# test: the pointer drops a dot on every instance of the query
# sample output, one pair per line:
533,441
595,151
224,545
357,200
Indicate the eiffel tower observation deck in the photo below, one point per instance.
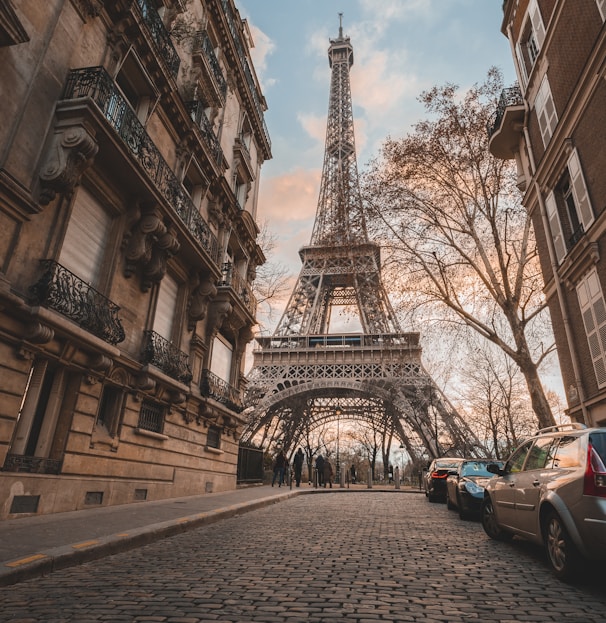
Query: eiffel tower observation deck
305,375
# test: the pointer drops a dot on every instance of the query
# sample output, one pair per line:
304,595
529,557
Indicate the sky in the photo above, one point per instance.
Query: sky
401,48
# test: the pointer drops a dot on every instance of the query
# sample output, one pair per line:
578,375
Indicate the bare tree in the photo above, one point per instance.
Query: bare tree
271,281
453,219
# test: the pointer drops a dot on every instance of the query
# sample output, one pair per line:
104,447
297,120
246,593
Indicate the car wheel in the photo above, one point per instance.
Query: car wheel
431,498
449,503
463,514
561,551
490,523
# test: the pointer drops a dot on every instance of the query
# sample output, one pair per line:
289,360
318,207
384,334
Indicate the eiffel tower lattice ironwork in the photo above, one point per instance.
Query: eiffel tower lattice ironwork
304,374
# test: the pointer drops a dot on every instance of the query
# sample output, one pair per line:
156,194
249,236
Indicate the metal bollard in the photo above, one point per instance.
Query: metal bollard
369,485
341,478
396,477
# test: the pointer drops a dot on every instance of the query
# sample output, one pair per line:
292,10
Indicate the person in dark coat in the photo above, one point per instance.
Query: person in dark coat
320,469
328,473
298,465
279,466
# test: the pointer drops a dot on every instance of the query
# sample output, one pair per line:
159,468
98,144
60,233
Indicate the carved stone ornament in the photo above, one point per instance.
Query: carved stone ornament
38,333
202,293
149,246
217,314
71,152
88,8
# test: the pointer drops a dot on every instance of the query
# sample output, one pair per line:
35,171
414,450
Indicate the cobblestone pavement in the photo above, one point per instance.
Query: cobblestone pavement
345,557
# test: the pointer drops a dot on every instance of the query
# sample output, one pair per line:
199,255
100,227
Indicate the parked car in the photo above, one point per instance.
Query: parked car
435,477
552,490
465,487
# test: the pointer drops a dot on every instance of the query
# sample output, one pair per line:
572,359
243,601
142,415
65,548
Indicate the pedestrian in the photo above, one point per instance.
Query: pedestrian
352,472
298,465
279,466
390,474
328,473
320,469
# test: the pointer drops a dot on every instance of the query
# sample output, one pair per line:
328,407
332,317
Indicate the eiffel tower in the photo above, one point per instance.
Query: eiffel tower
304,375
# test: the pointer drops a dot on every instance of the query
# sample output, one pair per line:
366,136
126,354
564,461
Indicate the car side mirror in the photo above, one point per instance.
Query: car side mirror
493,468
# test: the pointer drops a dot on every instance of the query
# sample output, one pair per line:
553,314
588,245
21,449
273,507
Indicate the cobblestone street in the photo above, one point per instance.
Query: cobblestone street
340,556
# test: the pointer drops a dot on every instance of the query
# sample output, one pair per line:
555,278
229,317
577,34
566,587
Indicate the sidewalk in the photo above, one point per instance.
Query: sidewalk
34,546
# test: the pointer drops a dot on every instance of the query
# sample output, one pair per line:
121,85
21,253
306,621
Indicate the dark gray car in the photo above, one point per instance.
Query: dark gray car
552,491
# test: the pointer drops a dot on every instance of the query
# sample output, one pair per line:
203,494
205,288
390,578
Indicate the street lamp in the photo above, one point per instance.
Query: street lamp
338,470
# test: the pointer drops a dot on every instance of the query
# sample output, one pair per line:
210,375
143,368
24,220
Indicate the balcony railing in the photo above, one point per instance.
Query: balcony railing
217,389
196,111
202,44
231,22
166,357
95,83
230,278
61,290
511,96
160,36
576,236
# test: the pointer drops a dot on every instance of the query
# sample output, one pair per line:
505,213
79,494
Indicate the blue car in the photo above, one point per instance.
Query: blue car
465,486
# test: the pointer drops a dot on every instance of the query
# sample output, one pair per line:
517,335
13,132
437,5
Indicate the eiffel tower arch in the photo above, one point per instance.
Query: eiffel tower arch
305,375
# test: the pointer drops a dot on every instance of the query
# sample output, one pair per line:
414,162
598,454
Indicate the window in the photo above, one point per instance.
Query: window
195,184
568,453
530,42
516,462
220,363
151,417
593,310
136,87
602,7
85,239
546,112
541,454
164,317
213,437
568,208
110,408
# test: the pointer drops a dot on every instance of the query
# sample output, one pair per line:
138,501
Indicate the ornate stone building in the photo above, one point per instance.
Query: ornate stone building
554,124
132,140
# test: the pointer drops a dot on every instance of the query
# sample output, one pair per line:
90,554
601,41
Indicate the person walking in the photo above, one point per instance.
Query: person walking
279,466
298,465
320,469
328,473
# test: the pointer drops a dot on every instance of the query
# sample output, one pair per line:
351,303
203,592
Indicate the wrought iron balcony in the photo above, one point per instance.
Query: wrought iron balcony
204,48
166,357
217,389
511,96
96,84
160,36
196,112
230,278
61,290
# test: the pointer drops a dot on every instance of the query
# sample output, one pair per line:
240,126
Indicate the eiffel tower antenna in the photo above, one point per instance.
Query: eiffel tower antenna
305,374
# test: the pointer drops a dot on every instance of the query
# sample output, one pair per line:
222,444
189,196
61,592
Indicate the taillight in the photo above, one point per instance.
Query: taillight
439,474
595,474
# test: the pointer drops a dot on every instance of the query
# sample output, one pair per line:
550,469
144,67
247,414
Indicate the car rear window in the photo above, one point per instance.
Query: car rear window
598,441
568,452
447,464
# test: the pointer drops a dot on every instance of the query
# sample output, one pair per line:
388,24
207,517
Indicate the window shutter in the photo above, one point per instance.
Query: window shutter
85,238
593,310
537,23
522,73
555,227
165,307
220,361
546,112
579,189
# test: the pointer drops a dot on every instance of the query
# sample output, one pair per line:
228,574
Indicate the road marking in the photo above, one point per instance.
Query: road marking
85,544
24,561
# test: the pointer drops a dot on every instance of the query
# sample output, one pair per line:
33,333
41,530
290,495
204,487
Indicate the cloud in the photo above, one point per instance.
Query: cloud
314,125
288,199
264,47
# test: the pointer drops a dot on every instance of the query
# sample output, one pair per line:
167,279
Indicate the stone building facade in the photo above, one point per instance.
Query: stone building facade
554,124
131,146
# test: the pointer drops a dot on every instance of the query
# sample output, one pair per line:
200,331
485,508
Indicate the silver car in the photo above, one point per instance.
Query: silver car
552,491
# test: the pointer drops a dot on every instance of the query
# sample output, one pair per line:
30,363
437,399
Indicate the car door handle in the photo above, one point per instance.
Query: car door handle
512,484
536,483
